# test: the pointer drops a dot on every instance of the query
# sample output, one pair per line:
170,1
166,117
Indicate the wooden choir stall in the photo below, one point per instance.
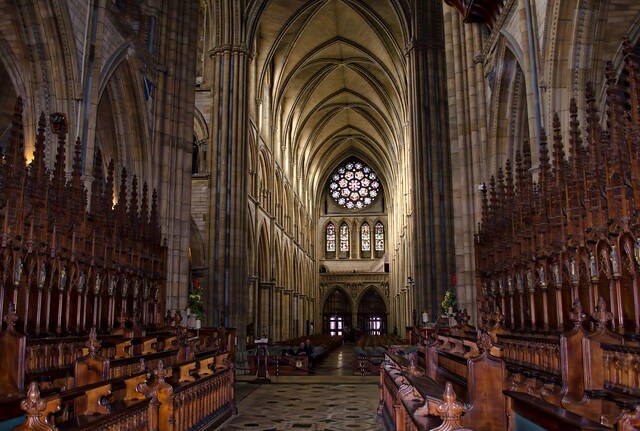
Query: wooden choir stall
558,264
86,343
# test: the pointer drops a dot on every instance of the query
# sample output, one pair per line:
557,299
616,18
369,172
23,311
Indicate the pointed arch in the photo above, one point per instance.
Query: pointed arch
372,311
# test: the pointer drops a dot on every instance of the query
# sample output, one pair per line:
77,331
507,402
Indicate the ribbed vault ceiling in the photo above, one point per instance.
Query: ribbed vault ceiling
335,73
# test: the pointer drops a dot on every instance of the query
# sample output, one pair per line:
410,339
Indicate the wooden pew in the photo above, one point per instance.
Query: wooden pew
533,363
409,401
189,397
113,404
546,415
479,381
600,377
12,349
281,365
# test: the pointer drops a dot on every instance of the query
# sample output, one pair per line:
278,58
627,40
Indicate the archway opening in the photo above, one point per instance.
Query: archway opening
336,314
372,314
8,96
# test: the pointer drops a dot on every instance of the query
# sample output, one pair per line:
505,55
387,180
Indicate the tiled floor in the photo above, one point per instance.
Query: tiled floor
331,399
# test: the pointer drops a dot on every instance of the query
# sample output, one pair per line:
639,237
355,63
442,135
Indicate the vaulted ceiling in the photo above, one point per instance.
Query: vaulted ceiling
334,71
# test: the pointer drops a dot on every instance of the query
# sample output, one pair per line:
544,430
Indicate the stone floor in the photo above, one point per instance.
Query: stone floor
331,399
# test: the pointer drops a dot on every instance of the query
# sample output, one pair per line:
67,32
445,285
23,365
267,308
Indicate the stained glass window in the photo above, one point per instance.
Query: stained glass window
379,236
344,237
354,185
365,237
331,237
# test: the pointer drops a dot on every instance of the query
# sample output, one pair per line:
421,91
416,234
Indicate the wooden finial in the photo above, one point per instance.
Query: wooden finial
484,342
33,406
11,317
160,373
462,317
177,318
577,316
450,410
601,315
93,343
123,319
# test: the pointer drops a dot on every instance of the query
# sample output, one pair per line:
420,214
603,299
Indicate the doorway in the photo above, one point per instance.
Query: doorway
336,313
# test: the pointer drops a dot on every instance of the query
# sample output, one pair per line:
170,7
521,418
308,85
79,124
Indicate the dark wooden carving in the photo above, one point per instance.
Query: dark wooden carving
70,260
572,233
478,11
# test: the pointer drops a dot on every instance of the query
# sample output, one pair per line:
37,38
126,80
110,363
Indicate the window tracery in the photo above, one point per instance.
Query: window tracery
354,185
379,236
344,237
365,237
330,235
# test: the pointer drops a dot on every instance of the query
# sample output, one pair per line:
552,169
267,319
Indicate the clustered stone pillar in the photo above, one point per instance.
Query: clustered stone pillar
468,127
228,300
433,251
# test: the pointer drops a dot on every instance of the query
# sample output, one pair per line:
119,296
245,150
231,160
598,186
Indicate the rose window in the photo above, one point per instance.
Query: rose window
354,185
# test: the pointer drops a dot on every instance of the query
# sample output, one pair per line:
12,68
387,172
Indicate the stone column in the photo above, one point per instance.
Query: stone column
433,251
173,142
278,322
227,221
468,135
287,313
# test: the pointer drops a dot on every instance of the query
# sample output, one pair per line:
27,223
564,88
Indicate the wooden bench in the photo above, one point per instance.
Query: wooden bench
281,365
97,405
545,415
410,401
599,374
193,393
478,381
198,392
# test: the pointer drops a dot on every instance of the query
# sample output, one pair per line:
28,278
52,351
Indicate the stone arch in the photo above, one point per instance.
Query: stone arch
372,318
253,160
263,262
277,259
264,177
251,243
14,86
509,125
200,142
197,254
379,291
121,131
336,302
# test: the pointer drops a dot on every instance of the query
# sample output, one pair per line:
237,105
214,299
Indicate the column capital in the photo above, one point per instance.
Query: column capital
226,49
415,44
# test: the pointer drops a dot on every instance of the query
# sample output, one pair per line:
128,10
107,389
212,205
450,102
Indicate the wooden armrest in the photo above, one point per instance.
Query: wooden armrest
131,384
206,366
53,405
94,398
149,346
220,360
122,349
186,372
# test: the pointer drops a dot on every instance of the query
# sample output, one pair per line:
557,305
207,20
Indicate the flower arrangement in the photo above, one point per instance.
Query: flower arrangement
450,301
195,298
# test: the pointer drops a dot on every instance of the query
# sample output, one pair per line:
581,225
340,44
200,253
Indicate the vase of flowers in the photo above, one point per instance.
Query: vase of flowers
195,299
449,302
